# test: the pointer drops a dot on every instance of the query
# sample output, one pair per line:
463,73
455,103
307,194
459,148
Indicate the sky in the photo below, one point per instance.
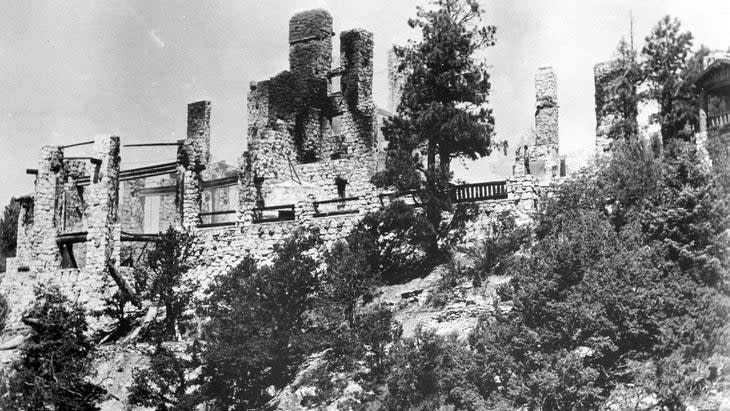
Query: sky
75,69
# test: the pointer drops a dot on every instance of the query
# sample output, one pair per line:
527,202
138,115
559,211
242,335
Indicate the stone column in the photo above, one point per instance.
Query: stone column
546,107
310,43
356,54
46,252
246,189
192,159
199,127
102,206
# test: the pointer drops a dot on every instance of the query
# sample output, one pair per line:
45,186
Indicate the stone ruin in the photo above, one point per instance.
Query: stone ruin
542,159
313,145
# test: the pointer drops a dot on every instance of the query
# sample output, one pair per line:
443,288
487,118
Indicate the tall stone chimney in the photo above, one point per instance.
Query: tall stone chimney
546,107
310,43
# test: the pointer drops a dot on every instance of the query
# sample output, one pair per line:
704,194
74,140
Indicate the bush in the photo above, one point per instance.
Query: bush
430,372
496,251
166,384
55,359
623,278
259,331
398,244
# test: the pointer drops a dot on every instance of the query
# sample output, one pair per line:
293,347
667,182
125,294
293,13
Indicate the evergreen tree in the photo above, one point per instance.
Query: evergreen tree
167,285
666,54
55,359
623,103
166,384
442,114
259,332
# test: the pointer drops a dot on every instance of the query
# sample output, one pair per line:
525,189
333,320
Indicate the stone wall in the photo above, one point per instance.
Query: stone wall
542,160
87,287
302,143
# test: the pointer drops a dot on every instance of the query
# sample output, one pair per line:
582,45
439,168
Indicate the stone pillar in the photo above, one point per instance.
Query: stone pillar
46,252
193,156
246,190
310,43
356,55
199,127
546,107
103,238
191,197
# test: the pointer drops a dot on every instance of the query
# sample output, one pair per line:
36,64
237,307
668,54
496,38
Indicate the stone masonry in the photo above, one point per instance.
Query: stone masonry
103,228
312,150
542,160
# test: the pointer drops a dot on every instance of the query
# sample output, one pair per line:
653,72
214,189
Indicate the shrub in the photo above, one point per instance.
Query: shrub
55,359
166,384
430,372
398,244
259,331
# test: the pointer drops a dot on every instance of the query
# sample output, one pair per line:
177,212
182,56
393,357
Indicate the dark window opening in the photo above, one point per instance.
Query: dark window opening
258,182
308,157
68,260
341,184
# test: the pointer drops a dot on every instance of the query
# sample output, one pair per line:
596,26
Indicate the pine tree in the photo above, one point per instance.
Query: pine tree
623,103
443,112
666,54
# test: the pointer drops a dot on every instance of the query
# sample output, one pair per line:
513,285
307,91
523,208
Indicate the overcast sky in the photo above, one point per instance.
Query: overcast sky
72,69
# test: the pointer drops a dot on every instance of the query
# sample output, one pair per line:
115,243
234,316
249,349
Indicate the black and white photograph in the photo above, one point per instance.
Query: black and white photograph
333,205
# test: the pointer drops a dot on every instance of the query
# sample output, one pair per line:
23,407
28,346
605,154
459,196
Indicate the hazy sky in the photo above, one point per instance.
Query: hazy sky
72,69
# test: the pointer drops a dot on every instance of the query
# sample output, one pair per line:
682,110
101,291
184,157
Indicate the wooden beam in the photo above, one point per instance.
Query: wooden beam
153,144
32,171
70,238
78,144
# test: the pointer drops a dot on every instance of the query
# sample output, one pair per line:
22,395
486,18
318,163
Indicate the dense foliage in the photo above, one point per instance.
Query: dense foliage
443,111
626,283
258,331
54,363
163,282
663,73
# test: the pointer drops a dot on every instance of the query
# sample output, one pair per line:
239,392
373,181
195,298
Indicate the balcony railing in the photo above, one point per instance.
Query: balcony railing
273,213
337,206
212,221
493,190
718,120
464,193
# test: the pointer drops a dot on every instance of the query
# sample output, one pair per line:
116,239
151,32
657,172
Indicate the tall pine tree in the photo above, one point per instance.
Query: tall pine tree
443,112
